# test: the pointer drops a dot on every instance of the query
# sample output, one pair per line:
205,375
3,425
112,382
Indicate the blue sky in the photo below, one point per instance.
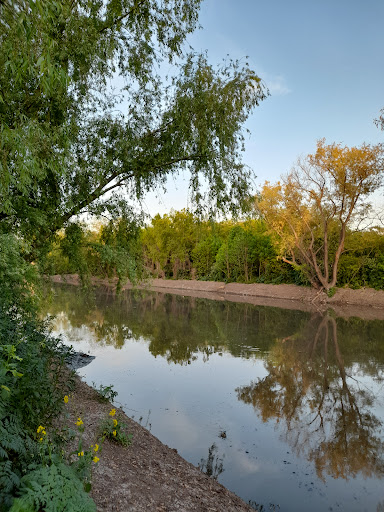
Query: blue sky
323,63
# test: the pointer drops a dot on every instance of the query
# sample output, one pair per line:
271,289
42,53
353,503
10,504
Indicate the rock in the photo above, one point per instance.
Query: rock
78,360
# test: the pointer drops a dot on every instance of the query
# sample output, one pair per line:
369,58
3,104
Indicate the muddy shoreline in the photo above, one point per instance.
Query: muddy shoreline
365,303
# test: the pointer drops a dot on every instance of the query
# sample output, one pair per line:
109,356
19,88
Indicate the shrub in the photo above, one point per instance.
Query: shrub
33,382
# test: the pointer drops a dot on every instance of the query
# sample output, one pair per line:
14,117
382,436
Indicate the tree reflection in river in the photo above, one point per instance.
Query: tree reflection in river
325,410
178,328
321,383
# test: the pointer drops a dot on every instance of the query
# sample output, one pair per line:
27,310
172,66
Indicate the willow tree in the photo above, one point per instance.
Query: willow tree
70,137
314,206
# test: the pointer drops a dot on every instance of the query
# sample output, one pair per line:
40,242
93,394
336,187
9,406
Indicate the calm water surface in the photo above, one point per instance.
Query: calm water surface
285,408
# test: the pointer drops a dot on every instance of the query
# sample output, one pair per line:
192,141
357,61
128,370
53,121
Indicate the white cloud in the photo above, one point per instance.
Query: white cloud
276,84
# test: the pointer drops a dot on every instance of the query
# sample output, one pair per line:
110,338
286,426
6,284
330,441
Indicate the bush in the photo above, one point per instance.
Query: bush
33,382
52,489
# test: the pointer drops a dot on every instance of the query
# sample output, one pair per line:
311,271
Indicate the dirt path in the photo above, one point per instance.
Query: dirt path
146,476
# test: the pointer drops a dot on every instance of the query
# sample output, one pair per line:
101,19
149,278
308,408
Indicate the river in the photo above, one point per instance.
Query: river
283,407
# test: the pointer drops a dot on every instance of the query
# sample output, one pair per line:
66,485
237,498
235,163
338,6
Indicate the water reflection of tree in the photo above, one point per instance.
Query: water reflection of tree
213,464
178,328
327,415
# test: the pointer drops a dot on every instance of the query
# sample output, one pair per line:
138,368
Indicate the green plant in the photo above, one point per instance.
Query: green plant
33,379
106,393
54,488
113,430
84,458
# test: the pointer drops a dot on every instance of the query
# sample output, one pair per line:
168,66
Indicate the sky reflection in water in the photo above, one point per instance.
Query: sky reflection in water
284,407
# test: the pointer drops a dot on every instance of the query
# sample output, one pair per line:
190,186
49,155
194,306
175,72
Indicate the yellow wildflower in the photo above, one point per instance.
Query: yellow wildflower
79,422
113,412
66,399
95,459
114,433
41,429
81,454
96,448
115,423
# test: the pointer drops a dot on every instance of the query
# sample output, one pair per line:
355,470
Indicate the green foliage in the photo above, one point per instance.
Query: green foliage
17,276
204,255
180,245
244,254
66,143
106,393
84,458
32,386
72,244
373,272
169,241
114,430
55,488
362,264
106,250
118,250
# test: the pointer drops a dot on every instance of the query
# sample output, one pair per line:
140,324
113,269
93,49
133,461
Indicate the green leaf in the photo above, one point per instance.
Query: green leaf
40,61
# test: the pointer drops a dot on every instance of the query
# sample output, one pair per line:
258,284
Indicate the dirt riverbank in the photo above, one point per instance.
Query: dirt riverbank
146,476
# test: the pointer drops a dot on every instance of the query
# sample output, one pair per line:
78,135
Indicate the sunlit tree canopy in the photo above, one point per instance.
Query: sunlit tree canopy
315,204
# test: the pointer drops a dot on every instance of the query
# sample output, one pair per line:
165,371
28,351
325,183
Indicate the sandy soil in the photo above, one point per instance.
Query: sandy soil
146,476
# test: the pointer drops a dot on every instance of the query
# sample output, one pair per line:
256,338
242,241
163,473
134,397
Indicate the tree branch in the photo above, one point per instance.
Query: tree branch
123,16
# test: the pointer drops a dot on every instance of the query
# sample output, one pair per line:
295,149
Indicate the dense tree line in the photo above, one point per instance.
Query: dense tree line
304,230
179,245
